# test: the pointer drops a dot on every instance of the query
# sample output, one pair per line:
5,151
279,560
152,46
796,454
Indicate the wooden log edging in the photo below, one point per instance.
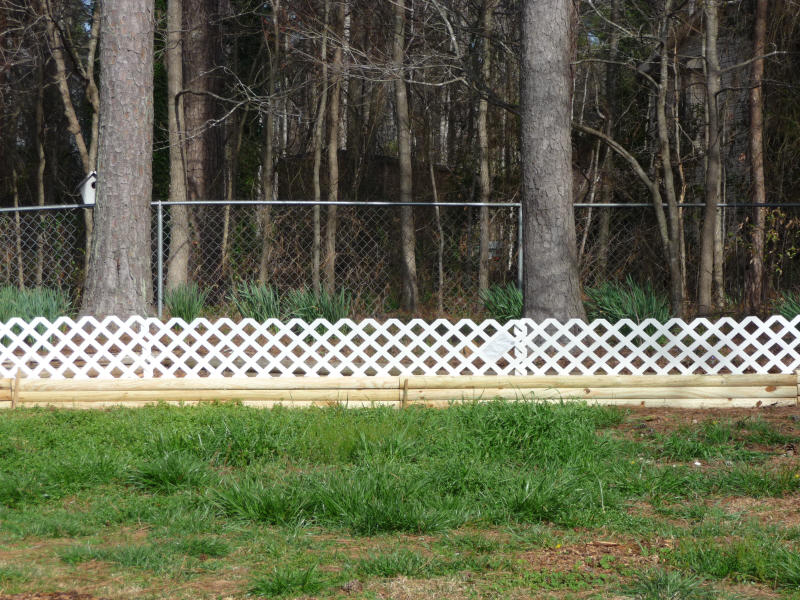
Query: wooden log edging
678,391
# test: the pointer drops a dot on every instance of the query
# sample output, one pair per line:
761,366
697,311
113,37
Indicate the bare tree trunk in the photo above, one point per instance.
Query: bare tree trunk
267,188
754,281
407,237
232,150
17,230
439,231
201,143
180,240
346,33
483,145
119,280
319,124
333,160
40,169
267,180
665,154
268,161
607,188
88,154
681,176
713,181
594,177
603,237
551,283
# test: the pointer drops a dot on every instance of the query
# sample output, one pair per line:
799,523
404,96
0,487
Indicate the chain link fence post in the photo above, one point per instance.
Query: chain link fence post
520,240
160,258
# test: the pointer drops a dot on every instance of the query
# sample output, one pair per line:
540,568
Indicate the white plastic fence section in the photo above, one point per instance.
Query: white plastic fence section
147,347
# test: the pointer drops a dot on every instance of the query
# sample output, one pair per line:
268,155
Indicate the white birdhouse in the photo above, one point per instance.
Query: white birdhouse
88,188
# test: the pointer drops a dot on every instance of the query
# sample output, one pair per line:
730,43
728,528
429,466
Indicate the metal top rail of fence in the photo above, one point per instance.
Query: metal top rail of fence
623,205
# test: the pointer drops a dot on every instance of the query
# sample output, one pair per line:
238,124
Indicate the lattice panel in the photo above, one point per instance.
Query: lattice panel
140,347
699,347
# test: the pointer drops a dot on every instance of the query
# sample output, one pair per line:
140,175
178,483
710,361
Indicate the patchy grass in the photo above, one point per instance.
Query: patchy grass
511,500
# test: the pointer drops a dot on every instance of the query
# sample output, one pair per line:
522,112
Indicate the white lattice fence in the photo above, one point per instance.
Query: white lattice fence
141,347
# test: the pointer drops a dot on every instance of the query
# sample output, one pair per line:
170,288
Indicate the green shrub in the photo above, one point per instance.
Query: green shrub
308,305
615,301
186,301
502,302
789,305
257,301
30,303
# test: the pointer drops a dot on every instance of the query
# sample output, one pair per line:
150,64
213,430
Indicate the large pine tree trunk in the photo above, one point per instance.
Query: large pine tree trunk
179,241
407,237
119,281
754,282
551,284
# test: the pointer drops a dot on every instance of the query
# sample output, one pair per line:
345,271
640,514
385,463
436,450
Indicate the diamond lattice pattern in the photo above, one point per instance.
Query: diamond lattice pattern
147,347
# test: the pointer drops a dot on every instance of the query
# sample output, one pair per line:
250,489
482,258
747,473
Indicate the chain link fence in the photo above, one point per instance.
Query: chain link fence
247,241
229,243
621,241
274,243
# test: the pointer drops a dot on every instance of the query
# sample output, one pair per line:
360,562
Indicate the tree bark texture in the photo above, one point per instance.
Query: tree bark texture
17,230
407,235
41,165
611,71
179,240
551,284
713,181
672,246
268,157
201,142
331,222
483,145
319,125
754,281
119,281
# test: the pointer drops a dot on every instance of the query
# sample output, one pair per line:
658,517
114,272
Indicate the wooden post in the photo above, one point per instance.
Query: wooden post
404,401
797,402
15,385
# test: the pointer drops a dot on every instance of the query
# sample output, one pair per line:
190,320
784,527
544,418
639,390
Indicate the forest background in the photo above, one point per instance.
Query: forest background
685,143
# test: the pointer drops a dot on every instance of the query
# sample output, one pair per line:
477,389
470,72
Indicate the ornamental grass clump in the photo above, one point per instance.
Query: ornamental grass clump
308,305
502,302
257,301
615,301
30,303
789,305
186,301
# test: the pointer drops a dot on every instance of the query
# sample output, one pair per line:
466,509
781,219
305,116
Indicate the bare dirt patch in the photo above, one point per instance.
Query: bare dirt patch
599,556
665,420
50,596
403,588
769,511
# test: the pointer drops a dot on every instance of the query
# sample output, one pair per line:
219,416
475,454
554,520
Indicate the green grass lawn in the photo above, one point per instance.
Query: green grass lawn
493,500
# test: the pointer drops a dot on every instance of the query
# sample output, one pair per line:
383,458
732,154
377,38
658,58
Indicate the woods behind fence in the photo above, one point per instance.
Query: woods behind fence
231,243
